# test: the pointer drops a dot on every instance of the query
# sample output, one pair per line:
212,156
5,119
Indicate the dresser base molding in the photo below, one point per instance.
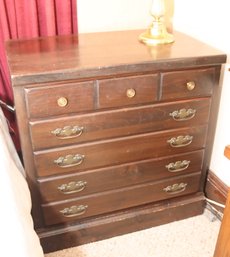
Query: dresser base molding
120,223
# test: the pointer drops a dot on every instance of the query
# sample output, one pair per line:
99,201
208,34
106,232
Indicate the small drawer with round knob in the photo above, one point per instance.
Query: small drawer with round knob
188,83
118,92
52,100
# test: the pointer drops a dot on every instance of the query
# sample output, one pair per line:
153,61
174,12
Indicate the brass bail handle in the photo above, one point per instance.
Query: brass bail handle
69,160
68,132
74,211
175,188
183,114
180,141
72,187
178,166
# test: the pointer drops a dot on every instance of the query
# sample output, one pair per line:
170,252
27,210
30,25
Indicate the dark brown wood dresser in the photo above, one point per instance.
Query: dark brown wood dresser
116,136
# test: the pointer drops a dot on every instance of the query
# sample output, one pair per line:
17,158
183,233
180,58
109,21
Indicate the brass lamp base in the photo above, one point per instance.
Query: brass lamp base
156,35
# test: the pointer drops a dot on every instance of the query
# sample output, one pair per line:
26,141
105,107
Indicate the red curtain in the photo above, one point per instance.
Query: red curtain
24,19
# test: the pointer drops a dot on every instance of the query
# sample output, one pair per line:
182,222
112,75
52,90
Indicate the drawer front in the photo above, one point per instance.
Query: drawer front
105,125
107,153
62,99
95,181
128,91
115,200
185,84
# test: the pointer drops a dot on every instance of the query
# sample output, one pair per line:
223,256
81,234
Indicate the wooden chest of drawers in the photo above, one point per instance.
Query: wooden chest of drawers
116,136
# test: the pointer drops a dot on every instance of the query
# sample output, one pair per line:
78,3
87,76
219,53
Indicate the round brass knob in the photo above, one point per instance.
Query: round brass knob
191,85
130,93
62,101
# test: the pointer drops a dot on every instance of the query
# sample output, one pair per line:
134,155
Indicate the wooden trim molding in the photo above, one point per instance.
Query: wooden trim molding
223,241
216,190
227,151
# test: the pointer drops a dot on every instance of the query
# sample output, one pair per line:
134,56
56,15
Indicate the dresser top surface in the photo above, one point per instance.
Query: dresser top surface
90,55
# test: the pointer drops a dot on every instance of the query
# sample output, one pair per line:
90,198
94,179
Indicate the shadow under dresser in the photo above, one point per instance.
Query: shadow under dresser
116,136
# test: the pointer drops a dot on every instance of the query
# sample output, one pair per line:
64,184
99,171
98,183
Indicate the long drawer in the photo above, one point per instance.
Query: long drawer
88,206
121,122
122,150
94,181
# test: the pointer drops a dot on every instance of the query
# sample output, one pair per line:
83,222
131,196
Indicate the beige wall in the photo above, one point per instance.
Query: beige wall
104,15
207,20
